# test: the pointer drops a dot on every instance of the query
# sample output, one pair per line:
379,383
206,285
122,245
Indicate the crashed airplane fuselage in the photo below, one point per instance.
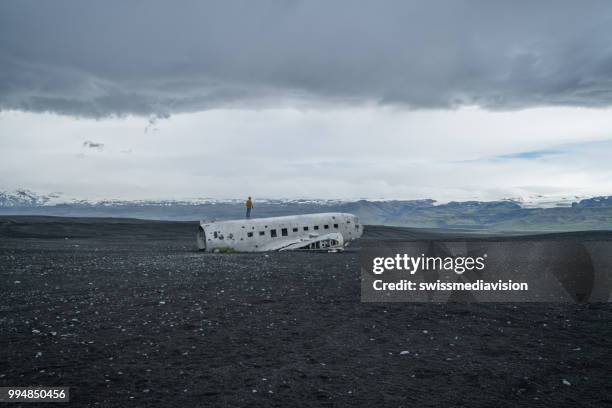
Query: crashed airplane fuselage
308,232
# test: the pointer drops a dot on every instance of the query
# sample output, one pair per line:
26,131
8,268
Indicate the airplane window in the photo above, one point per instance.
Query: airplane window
335,225
326,226
284,232
215,234
305,228
261,233
295,230
273,233
249,234
316,227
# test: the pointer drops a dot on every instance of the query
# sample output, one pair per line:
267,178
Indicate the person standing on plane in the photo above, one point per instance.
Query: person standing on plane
249,207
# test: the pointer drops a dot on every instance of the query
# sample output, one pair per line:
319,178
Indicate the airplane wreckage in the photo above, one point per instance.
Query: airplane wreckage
329,232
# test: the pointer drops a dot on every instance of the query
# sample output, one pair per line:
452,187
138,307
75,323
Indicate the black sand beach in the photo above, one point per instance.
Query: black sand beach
128,313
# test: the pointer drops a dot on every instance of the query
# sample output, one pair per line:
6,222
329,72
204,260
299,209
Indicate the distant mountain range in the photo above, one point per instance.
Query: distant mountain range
564,214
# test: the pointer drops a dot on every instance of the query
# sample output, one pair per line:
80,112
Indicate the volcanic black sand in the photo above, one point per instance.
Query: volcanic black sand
128,313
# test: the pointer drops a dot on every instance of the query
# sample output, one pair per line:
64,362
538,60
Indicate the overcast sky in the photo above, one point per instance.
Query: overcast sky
320,99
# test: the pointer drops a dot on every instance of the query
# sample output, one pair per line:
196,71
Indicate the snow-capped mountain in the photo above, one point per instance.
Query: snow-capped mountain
531,214
28,198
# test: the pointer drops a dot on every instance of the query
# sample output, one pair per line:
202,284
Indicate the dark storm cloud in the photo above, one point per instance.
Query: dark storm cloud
158,58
